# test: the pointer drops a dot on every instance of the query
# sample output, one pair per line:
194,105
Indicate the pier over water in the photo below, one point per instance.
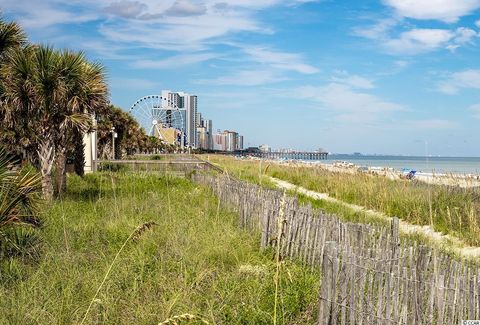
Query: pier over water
286,155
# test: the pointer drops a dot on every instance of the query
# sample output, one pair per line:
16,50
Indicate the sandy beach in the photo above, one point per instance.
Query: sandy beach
448,179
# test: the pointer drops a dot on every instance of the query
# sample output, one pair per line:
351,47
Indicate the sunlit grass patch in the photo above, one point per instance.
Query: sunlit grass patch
191,262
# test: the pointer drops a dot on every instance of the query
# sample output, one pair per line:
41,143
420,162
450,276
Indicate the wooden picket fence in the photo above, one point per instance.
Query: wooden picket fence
416,286
369,275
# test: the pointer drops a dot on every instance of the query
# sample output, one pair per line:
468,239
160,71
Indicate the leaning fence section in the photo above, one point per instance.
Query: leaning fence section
368,275
417,286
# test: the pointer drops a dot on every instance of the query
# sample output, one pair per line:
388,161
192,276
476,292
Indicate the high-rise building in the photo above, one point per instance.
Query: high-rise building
231,140
209,126
227,141
189,103
191,129
199,131
239,142
219,142
202,138
172,99
199,120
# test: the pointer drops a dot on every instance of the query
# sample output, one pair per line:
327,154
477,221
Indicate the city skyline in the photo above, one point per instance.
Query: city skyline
374,76
198,132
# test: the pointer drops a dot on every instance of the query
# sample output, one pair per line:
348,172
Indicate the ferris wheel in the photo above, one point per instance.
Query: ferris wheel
160,117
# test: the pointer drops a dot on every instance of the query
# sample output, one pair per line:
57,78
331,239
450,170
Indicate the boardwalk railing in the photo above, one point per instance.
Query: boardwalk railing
369,275
166,163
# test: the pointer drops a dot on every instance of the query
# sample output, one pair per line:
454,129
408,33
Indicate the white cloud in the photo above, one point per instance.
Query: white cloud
126,8
102,49
343,99
165,24
353,80
377,31
415,40
42,14
280,60
464,35
180,33
445,10
424,40
186,8
301,2
252,4
419,41
174,61
262,66
246,78
463,79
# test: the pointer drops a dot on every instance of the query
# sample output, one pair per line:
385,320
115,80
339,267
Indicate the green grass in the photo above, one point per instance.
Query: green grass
194,261
347,213
450,210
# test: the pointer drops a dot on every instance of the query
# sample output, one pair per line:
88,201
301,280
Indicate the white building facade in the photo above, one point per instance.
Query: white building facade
227,141
189,103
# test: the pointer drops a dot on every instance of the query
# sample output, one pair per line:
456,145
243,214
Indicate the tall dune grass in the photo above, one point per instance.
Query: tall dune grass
195,261
452,210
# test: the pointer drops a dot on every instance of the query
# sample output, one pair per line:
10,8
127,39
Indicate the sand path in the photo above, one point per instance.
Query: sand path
406,228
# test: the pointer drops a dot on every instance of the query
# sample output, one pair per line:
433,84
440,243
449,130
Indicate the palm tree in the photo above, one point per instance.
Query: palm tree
72,68
131,137
50,94
16,91
32,86
11,36
15,138
85,93
45,115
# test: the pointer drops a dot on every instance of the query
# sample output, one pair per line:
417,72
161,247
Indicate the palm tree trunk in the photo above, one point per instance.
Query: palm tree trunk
61,172
46,157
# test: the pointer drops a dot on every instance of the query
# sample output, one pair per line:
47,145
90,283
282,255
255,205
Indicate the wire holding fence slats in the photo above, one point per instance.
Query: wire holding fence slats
369,276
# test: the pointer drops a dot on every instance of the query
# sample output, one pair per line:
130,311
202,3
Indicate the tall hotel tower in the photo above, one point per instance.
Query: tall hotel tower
189,102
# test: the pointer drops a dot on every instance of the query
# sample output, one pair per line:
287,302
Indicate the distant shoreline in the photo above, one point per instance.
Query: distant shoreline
460,179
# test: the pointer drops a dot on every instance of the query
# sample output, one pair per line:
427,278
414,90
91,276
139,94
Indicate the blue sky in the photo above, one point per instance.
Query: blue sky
375,76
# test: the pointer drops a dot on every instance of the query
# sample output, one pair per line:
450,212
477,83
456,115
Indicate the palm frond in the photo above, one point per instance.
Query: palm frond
78,121
19,192
11,36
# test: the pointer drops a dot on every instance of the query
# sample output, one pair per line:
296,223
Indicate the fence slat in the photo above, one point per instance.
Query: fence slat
326,290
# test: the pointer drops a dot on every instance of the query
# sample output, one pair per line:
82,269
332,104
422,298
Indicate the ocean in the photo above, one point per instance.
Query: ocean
460,165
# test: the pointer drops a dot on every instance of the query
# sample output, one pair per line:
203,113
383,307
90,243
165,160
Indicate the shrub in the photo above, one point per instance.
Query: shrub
112,167
20,190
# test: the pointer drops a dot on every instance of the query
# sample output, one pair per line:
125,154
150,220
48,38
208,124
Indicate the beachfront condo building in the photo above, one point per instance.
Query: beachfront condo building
228,141
204,133
209,126
202,138
239,142
181,99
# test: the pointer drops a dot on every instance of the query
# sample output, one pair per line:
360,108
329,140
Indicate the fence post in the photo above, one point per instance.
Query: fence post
328,284
394,242
394,232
